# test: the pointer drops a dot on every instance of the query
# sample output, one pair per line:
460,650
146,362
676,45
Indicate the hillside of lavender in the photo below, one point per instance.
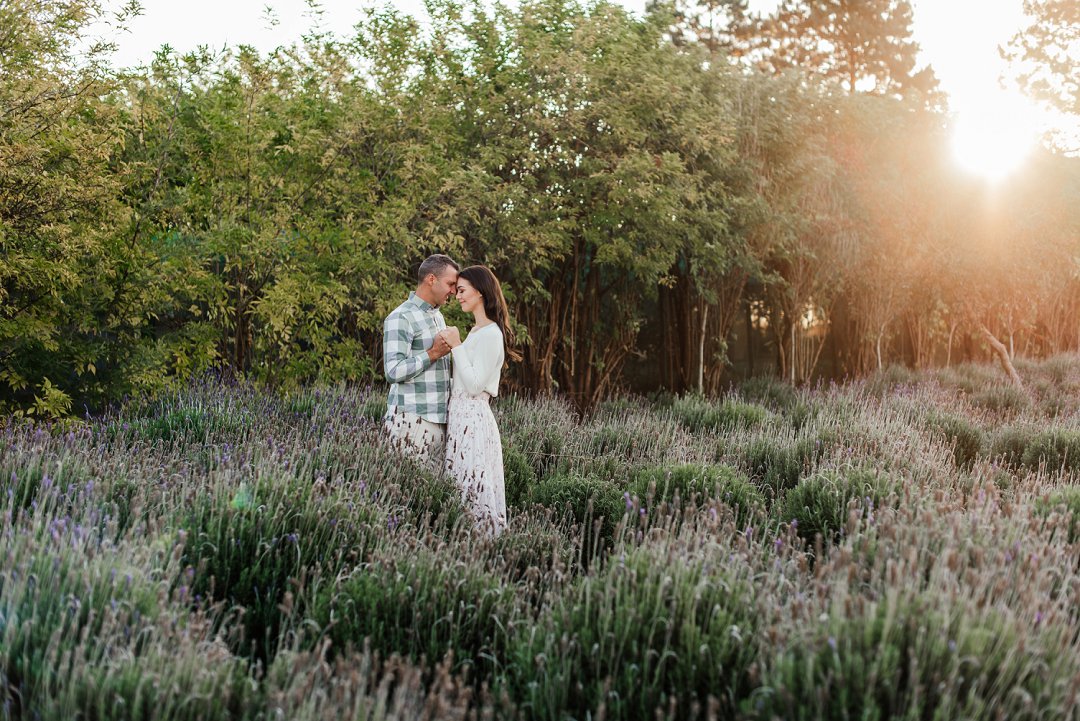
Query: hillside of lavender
907,546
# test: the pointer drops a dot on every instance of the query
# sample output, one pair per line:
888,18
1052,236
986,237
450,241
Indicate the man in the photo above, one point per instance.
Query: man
417,364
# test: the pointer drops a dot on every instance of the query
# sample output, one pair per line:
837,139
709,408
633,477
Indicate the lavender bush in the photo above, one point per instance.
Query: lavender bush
903,547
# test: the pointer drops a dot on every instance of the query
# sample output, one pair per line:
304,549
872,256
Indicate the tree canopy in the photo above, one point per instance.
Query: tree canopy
663,214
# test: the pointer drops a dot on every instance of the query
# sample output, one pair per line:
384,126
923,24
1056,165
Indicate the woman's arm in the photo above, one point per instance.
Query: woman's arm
476,363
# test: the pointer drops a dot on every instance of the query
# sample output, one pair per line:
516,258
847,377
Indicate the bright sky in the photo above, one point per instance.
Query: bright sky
960,38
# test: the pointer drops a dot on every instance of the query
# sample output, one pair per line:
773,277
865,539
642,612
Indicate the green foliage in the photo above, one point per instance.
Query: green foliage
260,213
662,484
769,391
962,436
422,604
648,631
777,463
1056,449
587,500
699,414
277,556
519,477
820,503
908,657
246,545
1010,444
1068,499
1004,399
1024,446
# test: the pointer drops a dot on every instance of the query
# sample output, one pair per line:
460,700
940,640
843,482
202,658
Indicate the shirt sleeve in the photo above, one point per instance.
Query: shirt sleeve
475,365
399,366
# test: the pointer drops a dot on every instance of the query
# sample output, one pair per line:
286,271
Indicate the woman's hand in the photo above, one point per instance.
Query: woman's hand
452,336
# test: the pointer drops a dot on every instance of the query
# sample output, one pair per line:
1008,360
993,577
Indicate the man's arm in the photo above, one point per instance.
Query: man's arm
398,364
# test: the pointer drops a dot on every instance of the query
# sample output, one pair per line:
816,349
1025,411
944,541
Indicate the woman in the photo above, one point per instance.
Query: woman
473,445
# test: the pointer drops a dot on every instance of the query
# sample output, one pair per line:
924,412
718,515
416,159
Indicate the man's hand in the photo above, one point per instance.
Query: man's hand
439,347
452,335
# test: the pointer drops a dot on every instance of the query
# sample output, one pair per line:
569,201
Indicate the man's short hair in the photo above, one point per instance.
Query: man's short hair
436,264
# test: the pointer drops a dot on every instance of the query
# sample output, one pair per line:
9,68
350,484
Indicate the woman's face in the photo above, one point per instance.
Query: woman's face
469,298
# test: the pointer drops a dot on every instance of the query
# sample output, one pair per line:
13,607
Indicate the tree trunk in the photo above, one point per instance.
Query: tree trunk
1003,356
701,349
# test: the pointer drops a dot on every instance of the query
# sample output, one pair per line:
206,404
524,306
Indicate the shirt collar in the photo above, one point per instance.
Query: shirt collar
420,302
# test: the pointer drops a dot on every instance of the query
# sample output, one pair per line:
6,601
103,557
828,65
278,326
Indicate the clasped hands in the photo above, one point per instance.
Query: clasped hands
445,341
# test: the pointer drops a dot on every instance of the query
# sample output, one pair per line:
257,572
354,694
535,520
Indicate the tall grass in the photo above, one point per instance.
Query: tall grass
904,547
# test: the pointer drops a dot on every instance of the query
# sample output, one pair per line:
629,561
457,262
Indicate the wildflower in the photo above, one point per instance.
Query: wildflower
952,646
629,503
832,643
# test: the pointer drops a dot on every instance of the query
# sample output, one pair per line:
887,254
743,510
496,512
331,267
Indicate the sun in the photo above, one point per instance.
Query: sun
993,142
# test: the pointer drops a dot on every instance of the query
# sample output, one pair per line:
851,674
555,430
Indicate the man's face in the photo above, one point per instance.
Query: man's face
445,285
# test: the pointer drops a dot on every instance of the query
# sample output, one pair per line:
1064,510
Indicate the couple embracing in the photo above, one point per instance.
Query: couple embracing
438,408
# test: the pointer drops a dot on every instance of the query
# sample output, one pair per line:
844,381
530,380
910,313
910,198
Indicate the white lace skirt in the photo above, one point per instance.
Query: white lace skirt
474,460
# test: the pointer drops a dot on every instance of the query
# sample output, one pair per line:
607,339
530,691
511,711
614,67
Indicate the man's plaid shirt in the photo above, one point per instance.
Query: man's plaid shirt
416,384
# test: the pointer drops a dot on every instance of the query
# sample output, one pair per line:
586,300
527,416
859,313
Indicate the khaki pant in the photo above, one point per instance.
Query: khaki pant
423,440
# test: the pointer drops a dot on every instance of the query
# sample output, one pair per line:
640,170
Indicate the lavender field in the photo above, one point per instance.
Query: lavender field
904,547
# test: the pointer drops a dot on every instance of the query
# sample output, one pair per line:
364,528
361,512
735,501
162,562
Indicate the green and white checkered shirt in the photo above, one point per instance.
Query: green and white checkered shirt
416,384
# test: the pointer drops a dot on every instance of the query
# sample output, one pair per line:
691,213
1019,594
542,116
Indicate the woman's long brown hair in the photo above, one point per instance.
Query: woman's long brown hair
485,282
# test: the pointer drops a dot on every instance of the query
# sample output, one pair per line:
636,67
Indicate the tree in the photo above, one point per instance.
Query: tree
723,27
57,200
1044,53
864,44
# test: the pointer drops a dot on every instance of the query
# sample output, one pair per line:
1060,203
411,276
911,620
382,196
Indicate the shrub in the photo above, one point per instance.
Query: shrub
63,609
883,381
771,391
778,463
586,498
1067,499
1001,398
1057,449
374,407
655,630
722,483
970,378
537,429
908,658
175,684
699,414
244,547
519,477
773,462
422,604
1010,444
965,440
820,502
190,425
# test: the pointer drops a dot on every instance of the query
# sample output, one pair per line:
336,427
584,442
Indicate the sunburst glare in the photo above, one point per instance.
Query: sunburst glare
994,140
